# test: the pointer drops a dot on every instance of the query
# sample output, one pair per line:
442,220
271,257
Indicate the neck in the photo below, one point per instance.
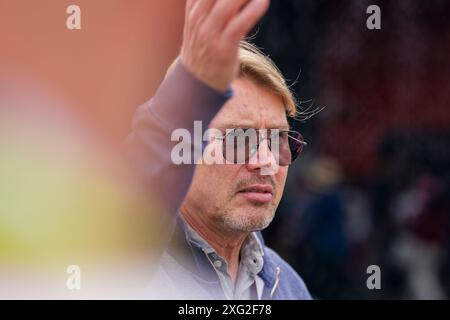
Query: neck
227,244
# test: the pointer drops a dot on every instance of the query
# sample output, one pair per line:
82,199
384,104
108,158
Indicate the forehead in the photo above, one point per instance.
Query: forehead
252,106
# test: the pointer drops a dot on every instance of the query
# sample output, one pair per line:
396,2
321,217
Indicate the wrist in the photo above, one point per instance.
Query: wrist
221,89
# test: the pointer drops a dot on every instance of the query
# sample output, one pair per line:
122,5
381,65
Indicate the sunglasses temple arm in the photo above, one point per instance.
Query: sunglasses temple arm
299,141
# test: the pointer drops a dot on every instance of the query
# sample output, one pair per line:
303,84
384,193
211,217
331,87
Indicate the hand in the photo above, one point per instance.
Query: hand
212,32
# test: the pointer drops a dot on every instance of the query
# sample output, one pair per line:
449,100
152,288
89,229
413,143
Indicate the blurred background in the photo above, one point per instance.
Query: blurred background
373,185
371,188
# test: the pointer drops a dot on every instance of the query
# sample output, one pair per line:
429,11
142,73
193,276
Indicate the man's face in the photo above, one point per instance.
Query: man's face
238,197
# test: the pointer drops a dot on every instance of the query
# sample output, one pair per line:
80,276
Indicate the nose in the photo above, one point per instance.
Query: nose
263,160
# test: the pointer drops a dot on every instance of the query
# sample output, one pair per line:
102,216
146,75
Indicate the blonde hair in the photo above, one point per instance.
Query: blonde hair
256,66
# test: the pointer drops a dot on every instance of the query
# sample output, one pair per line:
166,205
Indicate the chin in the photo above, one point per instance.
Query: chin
248,219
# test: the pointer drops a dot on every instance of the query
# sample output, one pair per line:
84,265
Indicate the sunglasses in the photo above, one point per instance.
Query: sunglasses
240,145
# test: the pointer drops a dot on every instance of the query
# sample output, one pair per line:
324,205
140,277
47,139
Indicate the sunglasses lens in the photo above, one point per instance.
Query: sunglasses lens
240,145
290,145
296,144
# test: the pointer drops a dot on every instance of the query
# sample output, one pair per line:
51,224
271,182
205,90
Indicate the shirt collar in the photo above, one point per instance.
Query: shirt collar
251,254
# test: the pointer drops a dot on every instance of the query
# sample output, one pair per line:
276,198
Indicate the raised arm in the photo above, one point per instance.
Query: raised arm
194,89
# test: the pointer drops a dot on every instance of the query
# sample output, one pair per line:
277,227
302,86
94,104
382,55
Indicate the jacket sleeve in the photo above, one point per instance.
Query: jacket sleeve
180,100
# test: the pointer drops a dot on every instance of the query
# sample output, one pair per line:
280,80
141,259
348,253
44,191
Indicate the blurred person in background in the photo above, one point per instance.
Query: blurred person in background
421,210
67,202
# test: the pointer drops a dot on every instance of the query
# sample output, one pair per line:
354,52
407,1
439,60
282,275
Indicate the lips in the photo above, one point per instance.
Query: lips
260,193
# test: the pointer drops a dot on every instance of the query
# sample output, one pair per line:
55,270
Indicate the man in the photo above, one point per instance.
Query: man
216,250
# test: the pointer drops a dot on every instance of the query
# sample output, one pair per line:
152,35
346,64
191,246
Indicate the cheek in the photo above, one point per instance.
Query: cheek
280,179
216,180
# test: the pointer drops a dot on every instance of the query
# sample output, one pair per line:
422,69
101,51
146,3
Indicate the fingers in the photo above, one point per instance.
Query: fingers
245,20
196,12
237,17
212,32
199,10
223,11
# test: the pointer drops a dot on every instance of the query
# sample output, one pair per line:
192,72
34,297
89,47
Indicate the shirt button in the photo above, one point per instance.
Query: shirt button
217,263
